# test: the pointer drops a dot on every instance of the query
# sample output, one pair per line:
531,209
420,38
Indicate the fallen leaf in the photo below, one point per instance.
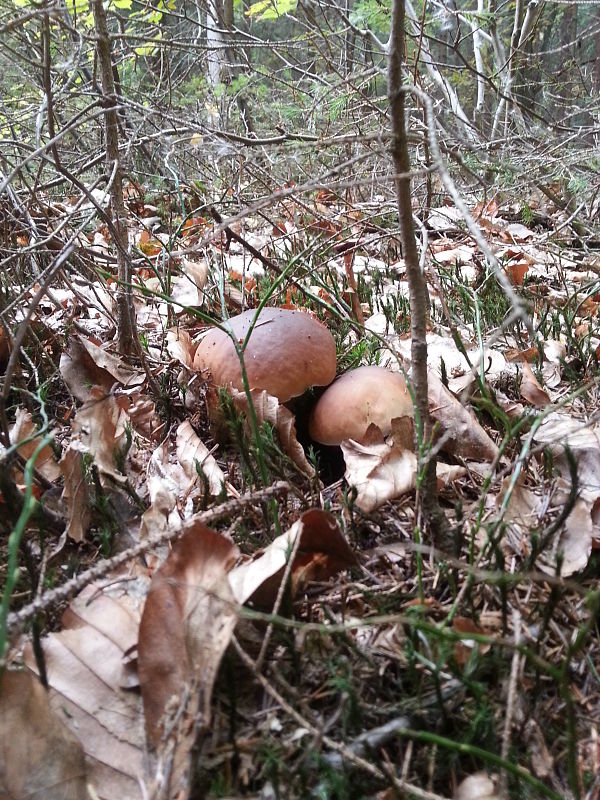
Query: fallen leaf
193,453
268,409
85,664
478,786
188,619
321,553
84,364
560,430
180,346
99,433
24,428
455,255
530,389
383,470
379,472
184,294
515,354
141,411
39,756
516,272
463,648
197,271
517,232
75,494
531,510
460,432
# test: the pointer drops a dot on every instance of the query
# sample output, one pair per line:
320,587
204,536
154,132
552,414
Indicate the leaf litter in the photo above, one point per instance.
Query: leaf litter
173,466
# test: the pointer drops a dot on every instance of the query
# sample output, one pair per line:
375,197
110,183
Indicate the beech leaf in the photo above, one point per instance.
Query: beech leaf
87,672
188,619
39,755
268,409
321,553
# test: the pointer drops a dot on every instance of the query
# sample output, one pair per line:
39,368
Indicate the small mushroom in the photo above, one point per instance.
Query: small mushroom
287,352
355,400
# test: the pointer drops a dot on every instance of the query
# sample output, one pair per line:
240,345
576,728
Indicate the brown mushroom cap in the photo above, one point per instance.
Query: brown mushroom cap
355,400
288,351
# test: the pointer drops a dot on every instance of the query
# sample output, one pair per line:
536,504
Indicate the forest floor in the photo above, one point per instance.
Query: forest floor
327,649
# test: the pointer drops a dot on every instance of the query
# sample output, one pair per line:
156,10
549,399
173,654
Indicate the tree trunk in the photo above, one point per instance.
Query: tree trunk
127,333
419,298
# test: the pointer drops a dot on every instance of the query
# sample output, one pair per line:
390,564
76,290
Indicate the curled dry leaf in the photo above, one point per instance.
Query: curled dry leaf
196,271
382,470
188,619
75,494
321,553
269,410
461,433
86,669
528,510
25,427
39,756
379,471
141,410
191,451
84,364
99,428
531,391
173,481
180,346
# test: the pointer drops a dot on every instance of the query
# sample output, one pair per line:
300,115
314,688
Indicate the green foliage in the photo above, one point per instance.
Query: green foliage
271,9
371,14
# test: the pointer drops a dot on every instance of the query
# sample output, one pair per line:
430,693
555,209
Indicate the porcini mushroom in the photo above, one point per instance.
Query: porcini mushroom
287,352
355,400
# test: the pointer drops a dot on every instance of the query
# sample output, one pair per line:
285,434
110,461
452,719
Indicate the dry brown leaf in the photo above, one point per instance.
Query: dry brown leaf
383,470
463,648
462,434
321,553
542,761
99,430
86,671
379,471
39,756
268,409
142,413
559,430
530,389
83,364
197,271
530,510
181,347
188,619
192,451
516,272
45,462
515,354
75,494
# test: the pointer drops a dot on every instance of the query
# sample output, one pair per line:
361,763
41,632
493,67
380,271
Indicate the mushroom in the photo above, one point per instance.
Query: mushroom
355,400
287,352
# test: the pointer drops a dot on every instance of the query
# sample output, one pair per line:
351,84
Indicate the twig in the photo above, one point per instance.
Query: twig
61,593
510,701
344,751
